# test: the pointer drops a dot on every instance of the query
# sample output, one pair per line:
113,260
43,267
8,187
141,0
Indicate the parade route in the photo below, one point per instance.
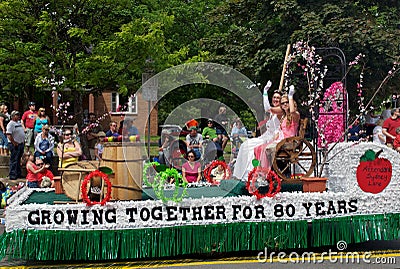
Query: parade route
389,260
374,254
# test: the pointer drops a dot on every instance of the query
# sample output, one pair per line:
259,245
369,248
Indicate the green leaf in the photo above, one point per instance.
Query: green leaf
370,155
106,170
255,162
161,168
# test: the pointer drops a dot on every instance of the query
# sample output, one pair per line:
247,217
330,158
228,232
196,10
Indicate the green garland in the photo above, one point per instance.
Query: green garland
45,245
94,245
146,167
355,229
161,179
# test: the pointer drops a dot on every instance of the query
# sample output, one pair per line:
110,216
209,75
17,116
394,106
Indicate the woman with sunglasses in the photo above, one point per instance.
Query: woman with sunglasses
44,145
289,124
68,150
32,171
191,170
44,174
113,131
41,120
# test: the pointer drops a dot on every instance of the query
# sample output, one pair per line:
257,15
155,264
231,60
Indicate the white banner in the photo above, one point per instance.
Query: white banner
155,214
344,198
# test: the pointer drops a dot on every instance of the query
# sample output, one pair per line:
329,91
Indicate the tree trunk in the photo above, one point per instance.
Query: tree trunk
78,107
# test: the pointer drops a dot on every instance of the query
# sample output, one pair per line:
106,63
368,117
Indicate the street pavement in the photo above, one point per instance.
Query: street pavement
376,254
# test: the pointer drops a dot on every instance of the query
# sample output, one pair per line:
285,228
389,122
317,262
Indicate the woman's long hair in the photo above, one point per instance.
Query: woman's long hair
25,158
289,117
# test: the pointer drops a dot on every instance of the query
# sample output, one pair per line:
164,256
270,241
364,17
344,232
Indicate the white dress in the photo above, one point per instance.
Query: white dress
244,159
376,132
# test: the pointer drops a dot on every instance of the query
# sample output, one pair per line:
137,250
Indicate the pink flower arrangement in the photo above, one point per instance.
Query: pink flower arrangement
330,124
326,111
313,70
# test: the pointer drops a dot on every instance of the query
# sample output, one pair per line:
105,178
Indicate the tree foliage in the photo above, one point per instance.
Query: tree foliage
90,45
252,36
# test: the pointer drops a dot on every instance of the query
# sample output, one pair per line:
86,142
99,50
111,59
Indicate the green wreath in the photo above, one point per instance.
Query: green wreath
159,182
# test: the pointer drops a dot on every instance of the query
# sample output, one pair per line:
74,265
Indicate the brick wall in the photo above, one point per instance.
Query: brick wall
102,104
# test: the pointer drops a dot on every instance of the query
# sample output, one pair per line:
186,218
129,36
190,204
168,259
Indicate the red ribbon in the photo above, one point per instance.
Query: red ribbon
211,166
87,179
271,178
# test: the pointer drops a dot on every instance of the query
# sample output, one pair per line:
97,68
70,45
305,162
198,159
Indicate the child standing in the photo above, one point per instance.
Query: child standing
32,170
99,147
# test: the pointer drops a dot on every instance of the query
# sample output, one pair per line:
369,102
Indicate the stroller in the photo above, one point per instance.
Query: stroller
211,151
175,154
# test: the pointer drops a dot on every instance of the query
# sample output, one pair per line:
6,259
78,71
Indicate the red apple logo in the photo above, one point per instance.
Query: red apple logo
373,173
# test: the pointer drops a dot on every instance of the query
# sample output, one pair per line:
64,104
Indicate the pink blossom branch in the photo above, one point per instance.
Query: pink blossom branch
93,125
390,74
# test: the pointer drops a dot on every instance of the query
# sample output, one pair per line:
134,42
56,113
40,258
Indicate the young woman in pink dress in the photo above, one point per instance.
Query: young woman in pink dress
191,170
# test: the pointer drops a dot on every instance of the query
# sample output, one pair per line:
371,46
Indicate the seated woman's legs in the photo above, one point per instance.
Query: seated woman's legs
37,154
225,139
161,157
197,153
47,157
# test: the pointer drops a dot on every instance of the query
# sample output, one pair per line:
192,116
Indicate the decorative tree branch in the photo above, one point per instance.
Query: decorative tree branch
390,74
314,75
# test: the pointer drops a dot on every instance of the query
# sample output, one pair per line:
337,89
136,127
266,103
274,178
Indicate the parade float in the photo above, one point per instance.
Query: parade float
360,204
127,208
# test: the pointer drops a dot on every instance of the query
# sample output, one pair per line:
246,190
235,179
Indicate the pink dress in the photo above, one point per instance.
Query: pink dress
260,151
191,173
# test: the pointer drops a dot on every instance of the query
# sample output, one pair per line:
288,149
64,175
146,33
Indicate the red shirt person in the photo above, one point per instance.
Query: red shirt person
28,122
390,125
44,173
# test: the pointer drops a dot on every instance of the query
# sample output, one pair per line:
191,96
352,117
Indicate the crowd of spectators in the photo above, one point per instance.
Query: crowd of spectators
28,138
28,142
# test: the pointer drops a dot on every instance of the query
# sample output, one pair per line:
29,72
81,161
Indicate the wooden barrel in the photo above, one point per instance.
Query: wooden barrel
126,161
74,175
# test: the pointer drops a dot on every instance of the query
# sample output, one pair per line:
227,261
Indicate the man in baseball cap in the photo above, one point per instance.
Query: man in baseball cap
16,136
13,113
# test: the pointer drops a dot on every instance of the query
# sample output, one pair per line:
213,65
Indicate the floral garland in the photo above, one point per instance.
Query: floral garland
93,125
331,116
85,182
163,178
310,63
211,166
271,177
146,167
